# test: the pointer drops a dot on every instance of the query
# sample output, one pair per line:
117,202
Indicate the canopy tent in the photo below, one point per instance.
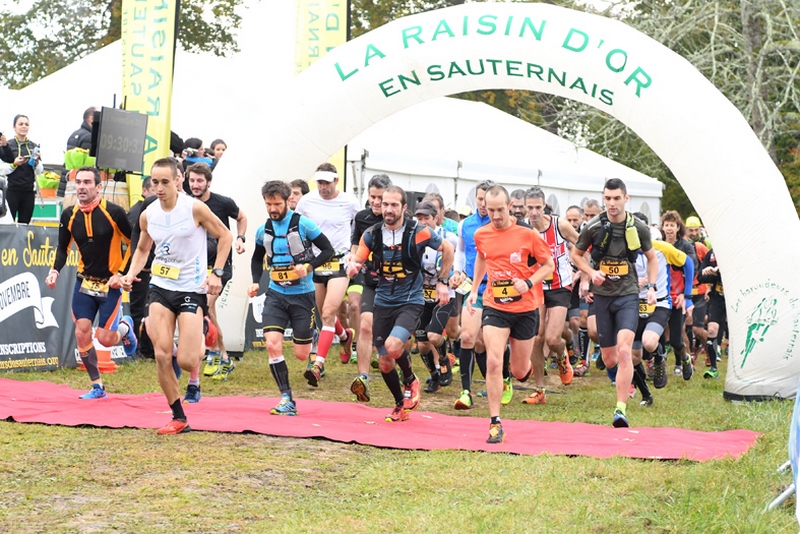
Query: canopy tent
448,145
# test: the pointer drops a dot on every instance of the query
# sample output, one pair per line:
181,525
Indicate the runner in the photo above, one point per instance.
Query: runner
98,228
435,316
219,364
508,253
518,208
616,237
558,234
397,245
368,277
717,313
285,241
332,211
299,190
177,224
699,291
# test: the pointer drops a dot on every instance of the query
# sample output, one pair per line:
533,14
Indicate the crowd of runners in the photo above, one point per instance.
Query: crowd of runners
513,287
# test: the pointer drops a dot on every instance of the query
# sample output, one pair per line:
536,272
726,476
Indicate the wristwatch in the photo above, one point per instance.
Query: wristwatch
241,237
529,283
648,286
218,272
444,281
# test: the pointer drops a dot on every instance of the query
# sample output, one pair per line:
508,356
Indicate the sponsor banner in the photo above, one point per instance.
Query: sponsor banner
36,328
148,59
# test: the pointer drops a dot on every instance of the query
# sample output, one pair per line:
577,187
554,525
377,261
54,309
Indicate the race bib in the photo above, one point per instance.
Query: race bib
429,293
165,271
503,292
328,267
695,290
94,288
719,289
465,287
614,267
284,275
392,270
645,309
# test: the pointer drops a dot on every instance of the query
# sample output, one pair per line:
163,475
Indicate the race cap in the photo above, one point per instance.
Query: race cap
655,234
426,208
693,222
325,176
465,210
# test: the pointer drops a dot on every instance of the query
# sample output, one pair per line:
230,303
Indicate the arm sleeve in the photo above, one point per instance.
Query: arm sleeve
364,246
64,241
688,277
257,262
460,258
325,250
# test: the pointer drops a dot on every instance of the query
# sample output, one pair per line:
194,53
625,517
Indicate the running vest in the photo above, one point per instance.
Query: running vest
562,275
410,265
603,238
299,248
180,262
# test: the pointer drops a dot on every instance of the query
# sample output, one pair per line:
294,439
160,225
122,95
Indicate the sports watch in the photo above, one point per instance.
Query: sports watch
219,272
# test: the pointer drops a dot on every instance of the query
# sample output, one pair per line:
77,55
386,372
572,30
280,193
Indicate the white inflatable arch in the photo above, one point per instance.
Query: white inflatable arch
697,132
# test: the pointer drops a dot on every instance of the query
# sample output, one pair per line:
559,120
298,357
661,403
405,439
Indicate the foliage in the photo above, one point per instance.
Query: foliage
51,34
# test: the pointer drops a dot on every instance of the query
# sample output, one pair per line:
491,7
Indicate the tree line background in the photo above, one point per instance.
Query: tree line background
749,49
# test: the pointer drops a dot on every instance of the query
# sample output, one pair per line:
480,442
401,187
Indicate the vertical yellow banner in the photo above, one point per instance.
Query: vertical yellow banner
148,60
321,26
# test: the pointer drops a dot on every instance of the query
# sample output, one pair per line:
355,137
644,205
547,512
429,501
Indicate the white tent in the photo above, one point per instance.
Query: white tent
448,145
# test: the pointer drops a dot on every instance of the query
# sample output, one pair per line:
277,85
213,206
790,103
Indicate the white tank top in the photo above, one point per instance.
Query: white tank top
181,260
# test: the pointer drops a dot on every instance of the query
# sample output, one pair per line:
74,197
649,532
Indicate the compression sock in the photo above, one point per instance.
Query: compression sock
640,380
281,374
325,342
711,350
466,361
506,362
89,359
404,362
583,344
427,359
338,328
480,359
658,355
177,411
571,352
393,383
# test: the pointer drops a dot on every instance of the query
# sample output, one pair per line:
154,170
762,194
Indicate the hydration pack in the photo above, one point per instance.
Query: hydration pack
603,238
299,249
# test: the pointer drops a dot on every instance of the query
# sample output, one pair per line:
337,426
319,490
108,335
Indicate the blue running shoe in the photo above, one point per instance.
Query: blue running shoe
97,392
129,342
285,407
620,421
193,394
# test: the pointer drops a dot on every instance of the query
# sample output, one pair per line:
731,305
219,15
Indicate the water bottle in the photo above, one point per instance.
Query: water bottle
296,247
32,158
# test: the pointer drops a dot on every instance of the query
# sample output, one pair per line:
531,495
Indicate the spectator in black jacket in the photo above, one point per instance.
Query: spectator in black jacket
23,155
80,138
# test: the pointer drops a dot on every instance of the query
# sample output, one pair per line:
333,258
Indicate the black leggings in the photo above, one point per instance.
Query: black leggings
675,325
20,205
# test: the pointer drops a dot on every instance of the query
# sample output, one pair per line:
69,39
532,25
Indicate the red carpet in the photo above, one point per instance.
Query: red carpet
43,402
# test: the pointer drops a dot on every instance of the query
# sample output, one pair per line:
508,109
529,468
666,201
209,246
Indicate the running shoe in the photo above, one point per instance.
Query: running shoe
176,426
711,373
686,368
360,388
581,370
647,401
313,374
496,434
565,370
599,363
573,358
193,394
434,384
398,414
212,364
411,395
537,397
97,392
225,369
346,343
632,392
285,407
209,332
660,375
482,394
445,372
508,391
678,371
620,421
129,342
374,363
464,402
553,363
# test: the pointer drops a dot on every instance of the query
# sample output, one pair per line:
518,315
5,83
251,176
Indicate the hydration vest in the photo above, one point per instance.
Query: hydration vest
603,238
412,266
299,249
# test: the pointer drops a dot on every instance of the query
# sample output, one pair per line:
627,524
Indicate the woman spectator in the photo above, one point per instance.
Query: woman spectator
218,148
26,163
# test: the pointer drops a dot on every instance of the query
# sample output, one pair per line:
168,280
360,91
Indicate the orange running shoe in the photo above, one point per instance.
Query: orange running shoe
175,426
411,396
398,414
565,370
537,397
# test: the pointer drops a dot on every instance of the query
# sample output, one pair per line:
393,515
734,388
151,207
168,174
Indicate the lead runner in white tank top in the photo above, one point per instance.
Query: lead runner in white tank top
179,245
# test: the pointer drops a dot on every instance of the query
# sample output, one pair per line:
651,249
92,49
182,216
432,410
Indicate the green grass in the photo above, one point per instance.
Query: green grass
61,479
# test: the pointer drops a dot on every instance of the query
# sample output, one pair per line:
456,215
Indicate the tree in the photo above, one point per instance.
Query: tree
51,34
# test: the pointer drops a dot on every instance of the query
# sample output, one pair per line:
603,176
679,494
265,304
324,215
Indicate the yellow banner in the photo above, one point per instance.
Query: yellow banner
321,26
148,59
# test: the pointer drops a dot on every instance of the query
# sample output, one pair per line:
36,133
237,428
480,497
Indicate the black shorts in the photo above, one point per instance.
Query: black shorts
574,302
614,314
657,322
322,277
523,326
458,302
555,298
178,301
397,321
716,310
699,310
297,311
367,299
434,319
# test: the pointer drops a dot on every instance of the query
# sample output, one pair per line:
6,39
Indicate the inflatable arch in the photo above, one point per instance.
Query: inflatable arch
697,132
